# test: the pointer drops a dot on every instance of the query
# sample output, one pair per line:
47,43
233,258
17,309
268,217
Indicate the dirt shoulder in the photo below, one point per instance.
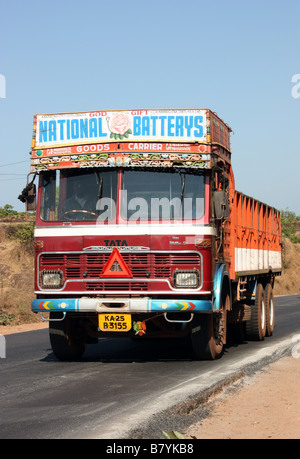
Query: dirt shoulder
265,406
11,329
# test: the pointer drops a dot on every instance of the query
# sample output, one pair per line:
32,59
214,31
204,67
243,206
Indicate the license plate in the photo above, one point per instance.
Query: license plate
114,322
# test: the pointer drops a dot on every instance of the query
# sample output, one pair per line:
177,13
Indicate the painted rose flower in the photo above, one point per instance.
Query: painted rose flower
119,125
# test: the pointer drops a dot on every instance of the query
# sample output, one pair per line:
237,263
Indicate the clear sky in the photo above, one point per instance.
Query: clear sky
236,57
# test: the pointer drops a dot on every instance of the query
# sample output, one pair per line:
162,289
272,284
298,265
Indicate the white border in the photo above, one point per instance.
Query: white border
123,230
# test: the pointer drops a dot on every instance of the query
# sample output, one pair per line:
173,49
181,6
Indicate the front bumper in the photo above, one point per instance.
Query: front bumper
129,305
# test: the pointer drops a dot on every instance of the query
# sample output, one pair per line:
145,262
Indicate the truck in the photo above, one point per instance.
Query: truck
140,232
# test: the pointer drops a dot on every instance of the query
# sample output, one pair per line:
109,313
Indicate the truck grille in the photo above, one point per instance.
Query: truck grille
88,267
116,286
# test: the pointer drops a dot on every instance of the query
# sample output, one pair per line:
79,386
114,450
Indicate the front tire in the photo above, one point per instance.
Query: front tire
65,343
209,334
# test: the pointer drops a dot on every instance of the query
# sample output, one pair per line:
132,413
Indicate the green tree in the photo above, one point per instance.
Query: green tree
7,210
289,222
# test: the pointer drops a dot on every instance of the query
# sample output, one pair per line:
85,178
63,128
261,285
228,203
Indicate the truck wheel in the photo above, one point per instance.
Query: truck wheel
64,342
256,326
209,335
270,310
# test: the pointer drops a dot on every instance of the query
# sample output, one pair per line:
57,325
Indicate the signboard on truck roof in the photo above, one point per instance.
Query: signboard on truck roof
142,138
183,125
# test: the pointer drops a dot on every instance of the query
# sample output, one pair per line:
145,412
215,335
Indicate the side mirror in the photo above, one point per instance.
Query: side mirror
221,204
28,196
31,198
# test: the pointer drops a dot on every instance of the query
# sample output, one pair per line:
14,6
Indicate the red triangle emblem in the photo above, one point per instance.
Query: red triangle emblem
116,266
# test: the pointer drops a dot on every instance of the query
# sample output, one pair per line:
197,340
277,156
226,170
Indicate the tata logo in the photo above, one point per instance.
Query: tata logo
115,243
110,244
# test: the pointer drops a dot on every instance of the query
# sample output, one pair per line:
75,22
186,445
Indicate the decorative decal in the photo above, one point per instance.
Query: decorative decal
139,328
119,125
173,305
49,161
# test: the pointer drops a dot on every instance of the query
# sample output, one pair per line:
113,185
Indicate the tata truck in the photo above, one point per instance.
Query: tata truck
141,233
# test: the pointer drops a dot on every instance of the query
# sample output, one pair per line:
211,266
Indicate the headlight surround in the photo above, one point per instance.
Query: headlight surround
51,279
186,279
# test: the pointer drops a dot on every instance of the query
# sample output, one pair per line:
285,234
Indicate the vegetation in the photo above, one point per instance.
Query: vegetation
7,319
290,222
23,231
7,211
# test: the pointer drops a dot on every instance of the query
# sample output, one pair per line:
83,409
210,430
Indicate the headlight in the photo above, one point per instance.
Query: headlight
51,279
186,279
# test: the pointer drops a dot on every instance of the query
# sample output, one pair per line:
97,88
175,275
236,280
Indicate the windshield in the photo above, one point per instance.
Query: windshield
162,196
146,195
71,195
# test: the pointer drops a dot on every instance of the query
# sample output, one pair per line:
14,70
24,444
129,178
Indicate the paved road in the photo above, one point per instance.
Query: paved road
119,383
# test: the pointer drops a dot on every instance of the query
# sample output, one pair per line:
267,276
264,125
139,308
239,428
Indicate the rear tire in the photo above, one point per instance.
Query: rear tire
256,326
270,310
64,342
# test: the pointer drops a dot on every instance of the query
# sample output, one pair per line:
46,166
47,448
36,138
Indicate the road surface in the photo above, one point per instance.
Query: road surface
121,388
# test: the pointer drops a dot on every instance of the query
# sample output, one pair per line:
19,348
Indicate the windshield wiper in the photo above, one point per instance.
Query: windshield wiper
182,181
100,181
